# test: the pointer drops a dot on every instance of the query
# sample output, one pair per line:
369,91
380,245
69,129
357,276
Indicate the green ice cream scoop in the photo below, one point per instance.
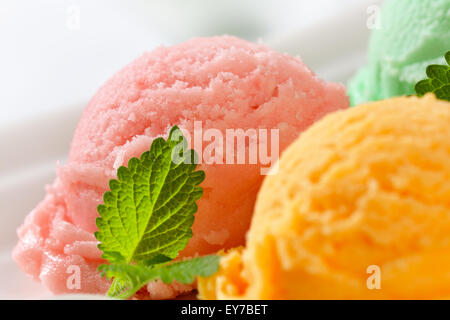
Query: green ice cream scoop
411,35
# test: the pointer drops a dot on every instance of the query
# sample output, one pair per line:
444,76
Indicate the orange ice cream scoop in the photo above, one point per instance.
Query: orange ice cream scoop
358,209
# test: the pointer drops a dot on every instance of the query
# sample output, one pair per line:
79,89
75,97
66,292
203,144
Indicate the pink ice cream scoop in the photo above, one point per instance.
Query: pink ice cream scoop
221,83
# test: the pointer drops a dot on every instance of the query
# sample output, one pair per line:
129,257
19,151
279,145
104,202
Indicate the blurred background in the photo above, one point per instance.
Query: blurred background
55,54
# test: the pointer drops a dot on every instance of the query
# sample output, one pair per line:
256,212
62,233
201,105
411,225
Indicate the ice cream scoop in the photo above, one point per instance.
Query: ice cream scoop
410,35
359,209
218,83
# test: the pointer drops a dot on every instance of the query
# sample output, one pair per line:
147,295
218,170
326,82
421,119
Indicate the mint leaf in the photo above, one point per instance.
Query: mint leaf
438,81
147,216
133,277
150,208
159,259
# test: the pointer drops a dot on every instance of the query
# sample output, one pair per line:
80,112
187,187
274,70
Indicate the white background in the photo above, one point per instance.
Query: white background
48,63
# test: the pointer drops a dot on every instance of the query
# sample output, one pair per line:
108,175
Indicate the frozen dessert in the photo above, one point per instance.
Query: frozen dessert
359,209
411,35
221,82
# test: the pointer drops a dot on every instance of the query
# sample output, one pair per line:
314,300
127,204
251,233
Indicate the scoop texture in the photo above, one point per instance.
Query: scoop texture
412,34
224,82
364,188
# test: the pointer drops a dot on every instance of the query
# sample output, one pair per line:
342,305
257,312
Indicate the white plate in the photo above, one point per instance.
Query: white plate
35,145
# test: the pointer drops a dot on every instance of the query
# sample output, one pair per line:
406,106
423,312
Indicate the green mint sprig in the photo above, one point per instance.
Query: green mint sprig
147,216
136,276
438,81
